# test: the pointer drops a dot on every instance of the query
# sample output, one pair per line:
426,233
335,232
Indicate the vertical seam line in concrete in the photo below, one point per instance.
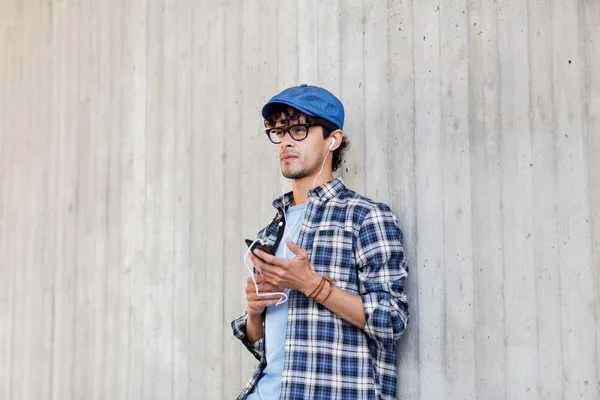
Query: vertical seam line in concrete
498,132
223,189
364,108
584,50
441,174
57,205
532,182
175,189
387,109
469,126
532,145
414,191
191,193
555,176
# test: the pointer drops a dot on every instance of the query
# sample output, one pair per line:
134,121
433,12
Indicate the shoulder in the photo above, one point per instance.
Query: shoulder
363,210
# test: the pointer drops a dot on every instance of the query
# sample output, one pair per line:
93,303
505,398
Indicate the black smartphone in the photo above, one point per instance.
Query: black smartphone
257,245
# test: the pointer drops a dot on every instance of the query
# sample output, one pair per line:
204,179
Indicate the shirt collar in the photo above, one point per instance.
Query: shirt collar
322,193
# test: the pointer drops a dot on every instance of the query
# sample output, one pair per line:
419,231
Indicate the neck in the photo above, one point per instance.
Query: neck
303,185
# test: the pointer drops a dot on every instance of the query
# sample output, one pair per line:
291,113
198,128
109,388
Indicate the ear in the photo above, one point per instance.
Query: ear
338,135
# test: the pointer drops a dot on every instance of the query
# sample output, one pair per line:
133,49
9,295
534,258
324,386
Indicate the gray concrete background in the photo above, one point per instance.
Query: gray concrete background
133,163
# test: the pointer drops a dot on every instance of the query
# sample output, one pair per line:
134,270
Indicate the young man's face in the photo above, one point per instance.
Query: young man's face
299,159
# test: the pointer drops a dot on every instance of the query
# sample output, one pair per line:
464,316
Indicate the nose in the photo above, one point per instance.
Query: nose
286,141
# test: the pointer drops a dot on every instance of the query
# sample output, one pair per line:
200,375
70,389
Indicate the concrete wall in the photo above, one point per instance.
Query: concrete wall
133,163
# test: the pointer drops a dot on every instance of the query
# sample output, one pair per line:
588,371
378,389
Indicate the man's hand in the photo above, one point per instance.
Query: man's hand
295,273
257,304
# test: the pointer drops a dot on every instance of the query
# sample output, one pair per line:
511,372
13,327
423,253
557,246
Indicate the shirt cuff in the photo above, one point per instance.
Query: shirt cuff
239,331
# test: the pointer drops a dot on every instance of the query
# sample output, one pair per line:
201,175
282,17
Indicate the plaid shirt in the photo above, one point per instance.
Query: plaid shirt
358,243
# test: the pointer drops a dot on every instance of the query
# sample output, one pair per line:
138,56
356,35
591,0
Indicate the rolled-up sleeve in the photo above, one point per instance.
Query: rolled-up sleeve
239,331
382,269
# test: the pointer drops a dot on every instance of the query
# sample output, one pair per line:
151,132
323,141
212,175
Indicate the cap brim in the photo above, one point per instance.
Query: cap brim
269,108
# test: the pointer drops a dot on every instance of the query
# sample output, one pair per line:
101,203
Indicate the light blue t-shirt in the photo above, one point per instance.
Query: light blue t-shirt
268,386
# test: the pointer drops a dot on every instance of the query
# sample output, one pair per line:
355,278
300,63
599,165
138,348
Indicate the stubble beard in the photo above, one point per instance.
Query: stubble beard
303,170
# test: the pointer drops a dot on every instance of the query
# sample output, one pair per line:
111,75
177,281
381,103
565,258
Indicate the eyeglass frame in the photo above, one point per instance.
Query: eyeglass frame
287,130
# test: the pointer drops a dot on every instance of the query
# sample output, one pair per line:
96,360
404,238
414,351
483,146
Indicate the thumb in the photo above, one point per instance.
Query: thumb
297,250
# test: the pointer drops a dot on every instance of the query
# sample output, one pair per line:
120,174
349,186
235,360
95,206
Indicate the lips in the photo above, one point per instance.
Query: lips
288,157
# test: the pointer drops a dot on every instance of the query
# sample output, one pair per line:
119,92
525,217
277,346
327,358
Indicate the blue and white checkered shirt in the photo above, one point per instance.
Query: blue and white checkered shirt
358,243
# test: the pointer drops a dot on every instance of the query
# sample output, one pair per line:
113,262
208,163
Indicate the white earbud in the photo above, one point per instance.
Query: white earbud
322,165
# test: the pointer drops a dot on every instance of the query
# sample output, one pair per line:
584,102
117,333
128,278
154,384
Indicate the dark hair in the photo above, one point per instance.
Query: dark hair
293,114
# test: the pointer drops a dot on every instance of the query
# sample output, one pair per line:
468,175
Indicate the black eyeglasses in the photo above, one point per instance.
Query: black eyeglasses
297,132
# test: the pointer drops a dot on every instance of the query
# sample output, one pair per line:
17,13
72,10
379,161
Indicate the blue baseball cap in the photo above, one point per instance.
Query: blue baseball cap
311,100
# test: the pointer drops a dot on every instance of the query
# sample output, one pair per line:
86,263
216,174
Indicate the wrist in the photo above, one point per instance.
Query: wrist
321,297
254,316
254,328
311,283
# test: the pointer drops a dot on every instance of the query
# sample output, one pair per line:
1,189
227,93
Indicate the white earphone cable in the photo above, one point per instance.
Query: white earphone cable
322,165
283,294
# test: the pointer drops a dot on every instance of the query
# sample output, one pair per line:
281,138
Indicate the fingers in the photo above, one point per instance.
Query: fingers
264,256
260,259
269,269
272,273
260,279
259,305
262,268
271,278
257,278
253,297
256,301
263,287
257,262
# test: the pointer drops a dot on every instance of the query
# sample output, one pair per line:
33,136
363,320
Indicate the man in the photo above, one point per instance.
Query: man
338,258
